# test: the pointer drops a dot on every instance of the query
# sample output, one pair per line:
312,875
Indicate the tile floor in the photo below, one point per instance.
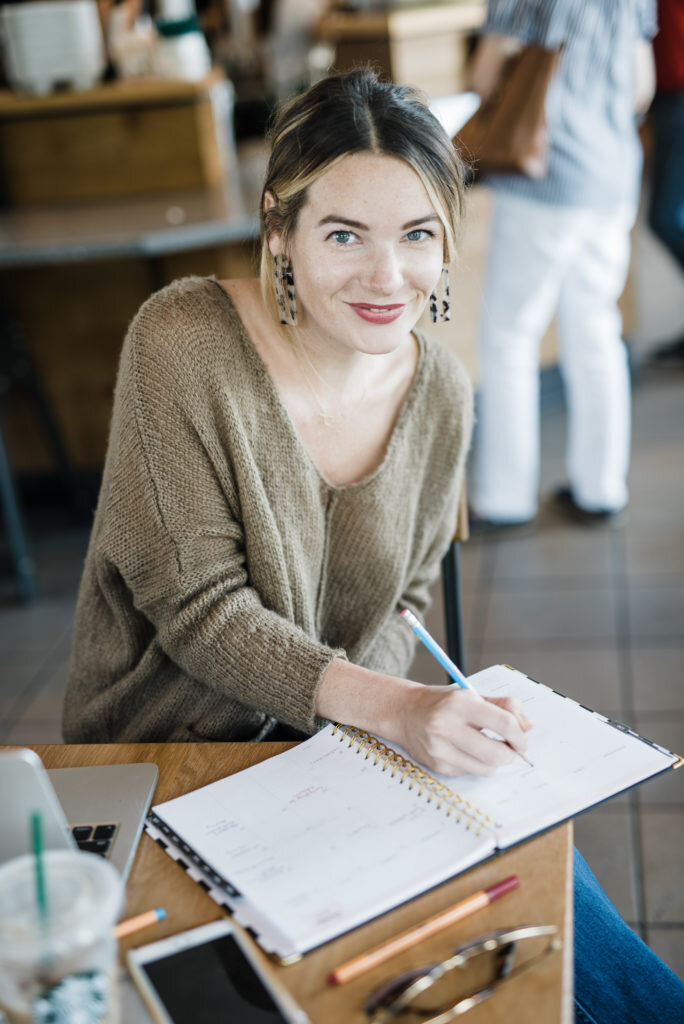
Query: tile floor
597,614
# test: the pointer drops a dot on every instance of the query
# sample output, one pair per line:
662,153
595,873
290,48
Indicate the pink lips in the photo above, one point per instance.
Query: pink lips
380,314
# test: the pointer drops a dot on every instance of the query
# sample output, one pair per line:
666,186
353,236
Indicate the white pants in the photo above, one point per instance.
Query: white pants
547,259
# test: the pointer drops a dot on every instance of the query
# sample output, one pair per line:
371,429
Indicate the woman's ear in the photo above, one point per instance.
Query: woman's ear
270,203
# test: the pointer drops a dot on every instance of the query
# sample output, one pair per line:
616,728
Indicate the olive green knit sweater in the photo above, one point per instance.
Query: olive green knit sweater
224,572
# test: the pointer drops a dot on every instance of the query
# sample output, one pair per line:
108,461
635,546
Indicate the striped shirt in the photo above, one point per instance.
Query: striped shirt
594,151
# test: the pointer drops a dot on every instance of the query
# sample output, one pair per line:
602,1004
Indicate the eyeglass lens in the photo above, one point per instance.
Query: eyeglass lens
441,991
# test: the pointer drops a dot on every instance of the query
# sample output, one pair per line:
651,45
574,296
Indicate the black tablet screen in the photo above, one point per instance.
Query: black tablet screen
210,984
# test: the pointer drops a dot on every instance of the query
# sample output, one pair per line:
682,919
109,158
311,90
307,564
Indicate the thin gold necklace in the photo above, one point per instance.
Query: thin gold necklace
329,419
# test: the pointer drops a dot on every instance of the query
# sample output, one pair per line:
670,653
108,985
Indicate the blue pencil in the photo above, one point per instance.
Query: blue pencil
447,664
437,652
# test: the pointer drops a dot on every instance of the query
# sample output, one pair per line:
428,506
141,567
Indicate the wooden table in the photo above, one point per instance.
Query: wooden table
543,864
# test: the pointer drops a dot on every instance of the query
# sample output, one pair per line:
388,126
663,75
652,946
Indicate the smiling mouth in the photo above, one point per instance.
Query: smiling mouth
378,314
372,308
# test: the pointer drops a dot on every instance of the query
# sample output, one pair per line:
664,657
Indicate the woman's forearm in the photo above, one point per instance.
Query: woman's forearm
440,726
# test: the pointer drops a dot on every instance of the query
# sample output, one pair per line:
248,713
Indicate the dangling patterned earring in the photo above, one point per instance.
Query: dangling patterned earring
285,291
440,306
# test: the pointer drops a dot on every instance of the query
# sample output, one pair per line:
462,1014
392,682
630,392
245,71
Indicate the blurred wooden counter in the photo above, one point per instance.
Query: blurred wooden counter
73,275
133,137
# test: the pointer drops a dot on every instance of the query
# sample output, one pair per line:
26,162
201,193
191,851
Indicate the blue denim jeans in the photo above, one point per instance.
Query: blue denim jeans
666,215
618,979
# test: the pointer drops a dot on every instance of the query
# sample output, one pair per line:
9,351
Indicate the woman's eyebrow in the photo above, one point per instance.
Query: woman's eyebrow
420,220
333,218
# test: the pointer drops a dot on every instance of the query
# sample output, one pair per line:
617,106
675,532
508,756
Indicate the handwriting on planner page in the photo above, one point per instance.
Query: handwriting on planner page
311,854
576,756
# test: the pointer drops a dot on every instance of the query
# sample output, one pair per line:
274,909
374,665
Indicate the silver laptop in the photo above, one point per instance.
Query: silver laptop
99,808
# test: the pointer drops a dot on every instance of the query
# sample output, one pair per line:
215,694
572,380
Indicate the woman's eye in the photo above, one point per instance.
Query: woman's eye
419,235
343,237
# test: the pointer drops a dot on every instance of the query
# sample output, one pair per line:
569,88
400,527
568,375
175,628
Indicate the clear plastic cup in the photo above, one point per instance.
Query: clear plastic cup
62,970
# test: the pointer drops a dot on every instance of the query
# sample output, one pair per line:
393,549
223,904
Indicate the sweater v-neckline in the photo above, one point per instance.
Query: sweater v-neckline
404,412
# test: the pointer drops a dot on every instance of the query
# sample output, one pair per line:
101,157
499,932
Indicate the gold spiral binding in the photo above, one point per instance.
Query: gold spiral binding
413,776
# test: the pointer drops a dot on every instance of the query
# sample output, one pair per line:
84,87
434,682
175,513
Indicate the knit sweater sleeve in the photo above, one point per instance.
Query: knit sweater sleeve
175,524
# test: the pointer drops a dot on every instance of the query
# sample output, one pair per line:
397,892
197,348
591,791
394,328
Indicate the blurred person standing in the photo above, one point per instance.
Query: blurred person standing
561,245
666,214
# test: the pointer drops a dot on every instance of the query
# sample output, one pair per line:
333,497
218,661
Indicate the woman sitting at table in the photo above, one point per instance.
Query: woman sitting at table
285,463
283,474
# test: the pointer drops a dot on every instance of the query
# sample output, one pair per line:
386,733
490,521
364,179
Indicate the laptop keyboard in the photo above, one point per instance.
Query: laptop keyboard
95,838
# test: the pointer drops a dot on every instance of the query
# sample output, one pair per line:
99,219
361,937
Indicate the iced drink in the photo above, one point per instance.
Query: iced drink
59,966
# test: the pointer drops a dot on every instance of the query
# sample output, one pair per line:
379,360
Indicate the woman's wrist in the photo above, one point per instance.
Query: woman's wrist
362,697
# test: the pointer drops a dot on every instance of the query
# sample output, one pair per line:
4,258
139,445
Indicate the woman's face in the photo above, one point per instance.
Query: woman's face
366,253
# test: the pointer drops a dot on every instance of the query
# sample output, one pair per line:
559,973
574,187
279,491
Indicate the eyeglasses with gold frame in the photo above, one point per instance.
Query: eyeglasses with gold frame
413,995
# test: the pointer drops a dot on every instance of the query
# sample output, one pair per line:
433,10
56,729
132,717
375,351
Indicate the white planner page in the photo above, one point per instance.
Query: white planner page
579,759
320,839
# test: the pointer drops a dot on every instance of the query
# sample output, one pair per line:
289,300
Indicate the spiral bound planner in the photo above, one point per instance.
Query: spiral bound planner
345,826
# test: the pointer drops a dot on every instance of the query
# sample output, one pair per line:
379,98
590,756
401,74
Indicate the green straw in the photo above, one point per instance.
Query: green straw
41,892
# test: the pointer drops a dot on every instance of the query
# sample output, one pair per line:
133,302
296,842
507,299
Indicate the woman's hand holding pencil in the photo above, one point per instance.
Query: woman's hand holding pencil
449,728
444,729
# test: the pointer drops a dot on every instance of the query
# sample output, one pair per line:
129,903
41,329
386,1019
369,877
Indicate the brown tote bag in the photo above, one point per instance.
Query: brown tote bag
507,133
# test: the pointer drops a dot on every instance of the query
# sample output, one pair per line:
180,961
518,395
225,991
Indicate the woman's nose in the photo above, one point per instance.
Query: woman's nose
384,271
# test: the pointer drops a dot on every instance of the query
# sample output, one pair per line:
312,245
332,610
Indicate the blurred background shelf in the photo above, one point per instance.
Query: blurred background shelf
132,137
426,46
